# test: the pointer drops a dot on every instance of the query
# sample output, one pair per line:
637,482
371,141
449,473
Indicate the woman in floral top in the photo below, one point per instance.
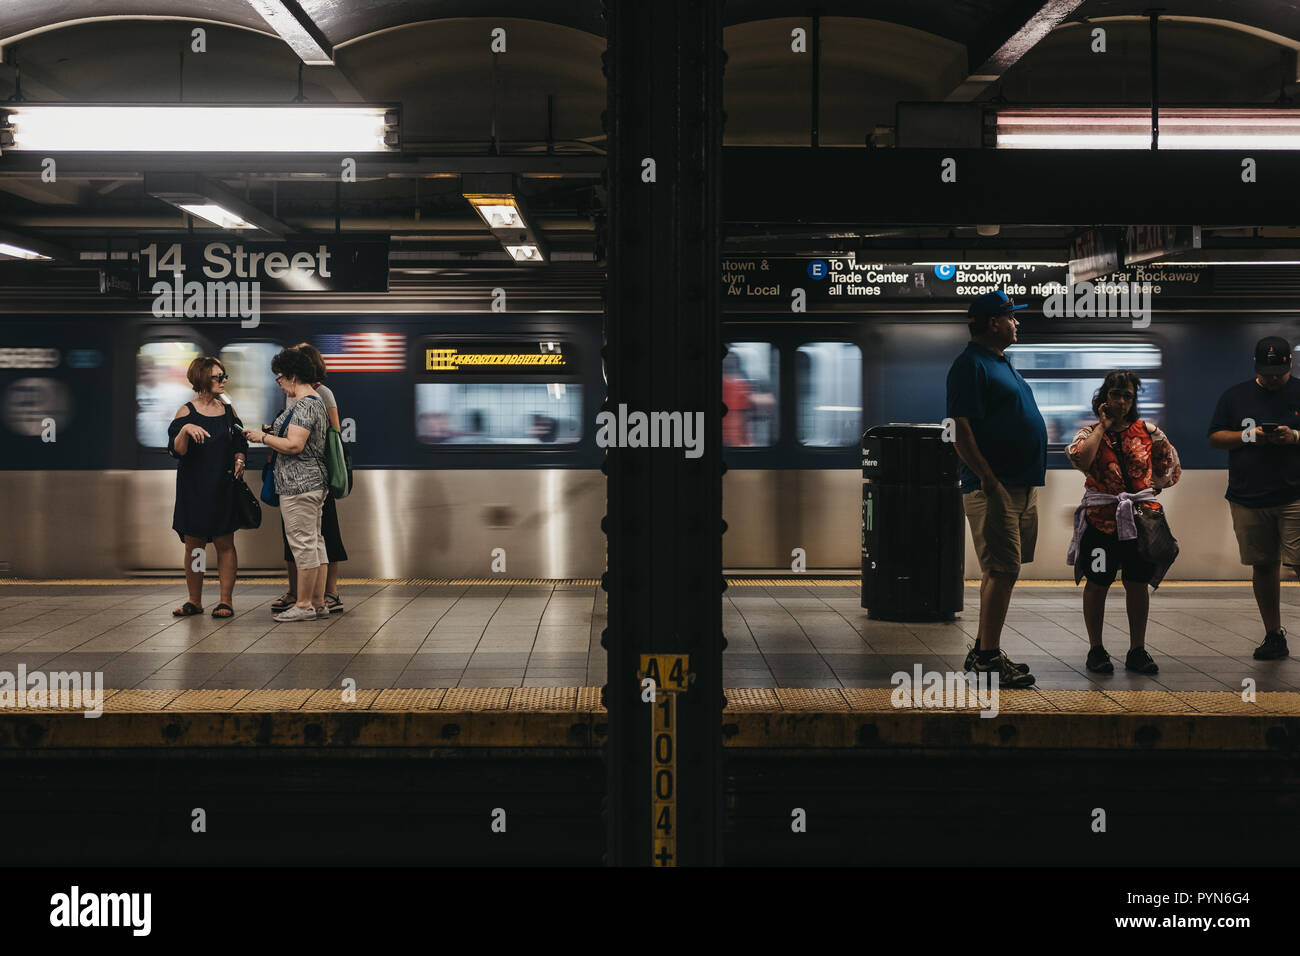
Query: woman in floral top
1120,453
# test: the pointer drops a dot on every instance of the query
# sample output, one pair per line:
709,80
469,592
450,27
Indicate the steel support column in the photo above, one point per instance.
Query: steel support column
663,352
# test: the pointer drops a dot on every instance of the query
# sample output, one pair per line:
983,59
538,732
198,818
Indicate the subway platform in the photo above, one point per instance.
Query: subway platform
474,696
417,634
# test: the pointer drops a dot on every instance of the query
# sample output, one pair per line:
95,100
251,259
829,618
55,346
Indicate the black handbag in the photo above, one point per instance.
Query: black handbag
1156,543
248,510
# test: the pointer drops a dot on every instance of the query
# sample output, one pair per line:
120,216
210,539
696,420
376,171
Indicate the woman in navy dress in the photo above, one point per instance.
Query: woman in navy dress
207,436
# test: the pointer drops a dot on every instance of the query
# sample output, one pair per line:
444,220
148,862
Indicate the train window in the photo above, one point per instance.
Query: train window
252,388
828,379
1084,355
1065,376
31,404
161,388
492,413
750,390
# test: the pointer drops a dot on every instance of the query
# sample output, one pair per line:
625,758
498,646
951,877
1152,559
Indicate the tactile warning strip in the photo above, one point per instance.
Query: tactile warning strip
139,701
338,699
789,700
272,701
539,719
207,701
404,700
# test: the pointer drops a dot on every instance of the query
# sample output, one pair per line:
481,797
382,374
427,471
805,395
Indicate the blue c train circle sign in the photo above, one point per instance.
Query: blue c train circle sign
945,272
817,269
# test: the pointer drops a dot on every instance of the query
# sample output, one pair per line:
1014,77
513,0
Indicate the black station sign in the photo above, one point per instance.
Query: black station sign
774,284
316,265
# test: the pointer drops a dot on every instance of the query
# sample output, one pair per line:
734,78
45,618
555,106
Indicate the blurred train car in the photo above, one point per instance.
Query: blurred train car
796,484
463,442
457,457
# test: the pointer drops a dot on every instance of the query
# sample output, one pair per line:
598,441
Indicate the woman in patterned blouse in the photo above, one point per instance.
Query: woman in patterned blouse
1120,453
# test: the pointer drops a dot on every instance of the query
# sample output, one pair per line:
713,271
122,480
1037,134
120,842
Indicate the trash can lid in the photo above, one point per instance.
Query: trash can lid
903,430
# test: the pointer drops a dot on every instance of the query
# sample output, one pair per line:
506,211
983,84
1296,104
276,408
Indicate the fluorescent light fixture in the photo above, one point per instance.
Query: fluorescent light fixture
297,29
1130,128
498,213
495,199
211,202
526,253
216,215
18,252
184,128
17,245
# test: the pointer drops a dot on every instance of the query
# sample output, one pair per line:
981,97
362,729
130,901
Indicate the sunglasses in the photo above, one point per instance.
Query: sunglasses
1117,393
222,378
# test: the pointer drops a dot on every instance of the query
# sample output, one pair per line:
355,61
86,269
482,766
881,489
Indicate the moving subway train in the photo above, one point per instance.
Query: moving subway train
466,441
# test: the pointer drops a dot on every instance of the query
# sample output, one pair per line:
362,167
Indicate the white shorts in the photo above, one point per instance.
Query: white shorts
302,519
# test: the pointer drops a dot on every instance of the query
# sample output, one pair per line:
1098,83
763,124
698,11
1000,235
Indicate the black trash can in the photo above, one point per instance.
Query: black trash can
913,524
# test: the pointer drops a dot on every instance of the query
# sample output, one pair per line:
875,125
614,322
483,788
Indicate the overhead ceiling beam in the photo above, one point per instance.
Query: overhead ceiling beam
1008,186
62,192
1002,43
297,29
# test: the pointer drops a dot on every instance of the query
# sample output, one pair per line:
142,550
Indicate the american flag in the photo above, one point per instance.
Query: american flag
363,351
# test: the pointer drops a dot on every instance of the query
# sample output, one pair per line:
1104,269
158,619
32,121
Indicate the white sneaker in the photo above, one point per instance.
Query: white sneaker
322,611
296,613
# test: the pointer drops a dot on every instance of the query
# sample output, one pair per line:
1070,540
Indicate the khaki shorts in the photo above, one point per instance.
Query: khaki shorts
1004,538
302,517
1265,535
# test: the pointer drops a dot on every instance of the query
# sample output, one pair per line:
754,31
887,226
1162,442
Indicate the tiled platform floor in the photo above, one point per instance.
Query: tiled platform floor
418,635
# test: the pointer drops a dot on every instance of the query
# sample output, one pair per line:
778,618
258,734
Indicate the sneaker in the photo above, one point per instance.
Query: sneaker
1099,661
322,612
296,613
283,602
1139,660
334,603
1274,646
970,660
1008,675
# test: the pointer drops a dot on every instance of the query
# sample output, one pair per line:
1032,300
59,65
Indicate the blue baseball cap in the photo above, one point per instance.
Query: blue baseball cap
992,303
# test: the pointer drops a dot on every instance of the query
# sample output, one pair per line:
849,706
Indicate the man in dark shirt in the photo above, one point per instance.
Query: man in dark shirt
1257,423
1002,442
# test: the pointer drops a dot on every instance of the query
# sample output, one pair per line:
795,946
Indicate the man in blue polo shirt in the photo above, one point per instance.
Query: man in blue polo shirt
1258,422
1002,442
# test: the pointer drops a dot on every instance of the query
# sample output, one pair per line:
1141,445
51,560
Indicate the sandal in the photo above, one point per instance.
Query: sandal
216,611
187,610
284,602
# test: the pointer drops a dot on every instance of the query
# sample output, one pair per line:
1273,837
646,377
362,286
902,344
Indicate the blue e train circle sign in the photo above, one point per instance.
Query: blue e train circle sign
818,269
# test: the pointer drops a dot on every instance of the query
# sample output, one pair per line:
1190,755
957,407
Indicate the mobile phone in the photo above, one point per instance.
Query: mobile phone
1271,426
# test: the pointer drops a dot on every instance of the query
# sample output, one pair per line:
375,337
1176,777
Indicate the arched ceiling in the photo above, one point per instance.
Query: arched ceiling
433,57
973,23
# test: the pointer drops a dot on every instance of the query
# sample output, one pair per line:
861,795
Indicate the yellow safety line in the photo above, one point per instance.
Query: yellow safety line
767,700
572,719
